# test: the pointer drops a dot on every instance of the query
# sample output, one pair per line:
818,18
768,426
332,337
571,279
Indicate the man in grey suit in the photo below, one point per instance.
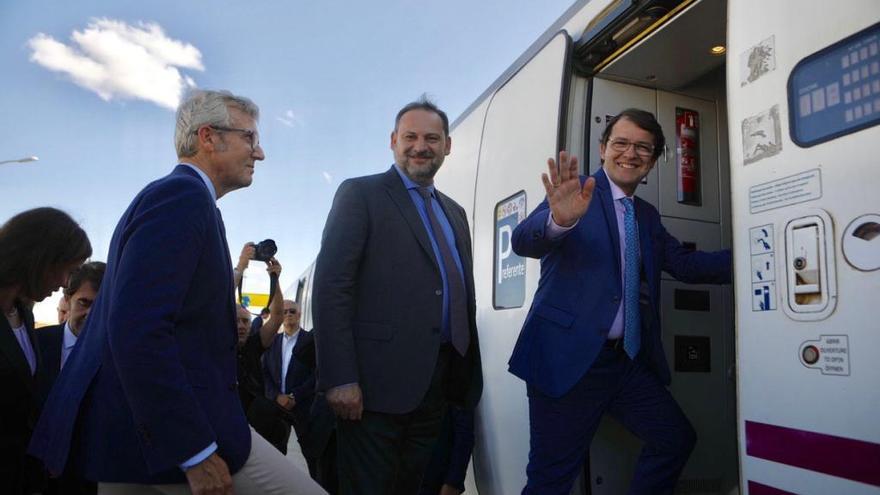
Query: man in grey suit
394,311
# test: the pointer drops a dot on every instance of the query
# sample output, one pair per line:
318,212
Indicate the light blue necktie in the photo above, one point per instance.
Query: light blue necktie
632,323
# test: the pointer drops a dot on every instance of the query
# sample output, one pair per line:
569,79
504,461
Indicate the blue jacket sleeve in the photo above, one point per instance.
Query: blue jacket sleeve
695,267
530,236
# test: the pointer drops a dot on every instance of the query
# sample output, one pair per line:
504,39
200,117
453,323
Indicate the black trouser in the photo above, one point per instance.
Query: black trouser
387,453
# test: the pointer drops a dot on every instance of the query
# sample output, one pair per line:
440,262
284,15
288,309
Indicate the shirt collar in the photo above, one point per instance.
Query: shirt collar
295,335
409,183
616,191
205,179
69,337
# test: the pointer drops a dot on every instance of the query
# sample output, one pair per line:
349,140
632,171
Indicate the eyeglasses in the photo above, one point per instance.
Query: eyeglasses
644,150
290,311
250,136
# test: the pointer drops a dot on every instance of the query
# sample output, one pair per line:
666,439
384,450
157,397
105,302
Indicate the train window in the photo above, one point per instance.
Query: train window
509,272
836,91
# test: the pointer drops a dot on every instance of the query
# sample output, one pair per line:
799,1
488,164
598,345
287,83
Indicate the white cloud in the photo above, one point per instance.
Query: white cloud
117,60
289,119
327,177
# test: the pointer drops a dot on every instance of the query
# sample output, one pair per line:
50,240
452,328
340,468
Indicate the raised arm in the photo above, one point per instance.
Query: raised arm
276,307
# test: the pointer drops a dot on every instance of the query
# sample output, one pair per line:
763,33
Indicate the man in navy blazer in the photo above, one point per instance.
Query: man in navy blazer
288,379
591,342
149,395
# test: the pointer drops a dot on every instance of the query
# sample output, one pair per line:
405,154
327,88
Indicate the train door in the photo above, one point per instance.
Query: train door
521,129
804,90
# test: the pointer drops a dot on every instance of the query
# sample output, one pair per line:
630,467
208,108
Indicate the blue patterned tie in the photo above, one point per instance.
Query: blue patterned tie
632,322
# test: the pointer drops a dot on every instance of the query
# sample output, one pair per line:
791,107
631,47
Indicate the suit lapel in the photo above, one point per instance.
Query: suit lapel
607,203
400,196
10,348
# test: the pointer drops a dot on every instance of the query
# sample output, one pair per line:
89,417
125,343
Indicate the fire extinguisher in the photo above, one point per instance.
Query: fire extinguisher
687,154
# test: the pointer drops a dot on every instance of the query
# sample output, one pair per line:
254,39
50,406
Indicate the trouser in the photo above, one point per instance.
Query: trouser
387,453
266,471
562,428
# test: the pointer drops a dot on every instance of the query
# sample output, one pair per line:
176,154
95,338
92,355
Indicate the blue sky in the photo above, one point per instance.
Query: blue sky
89,87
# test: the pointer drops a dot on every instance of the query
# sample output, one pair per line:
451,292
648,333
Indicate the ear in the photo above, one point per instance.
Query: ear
393,139
207,138
602,152
448,145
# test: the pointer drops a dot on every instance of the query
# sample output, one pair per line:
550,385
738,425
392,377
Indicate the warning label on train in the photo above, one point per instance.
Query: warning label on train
829,354
787,191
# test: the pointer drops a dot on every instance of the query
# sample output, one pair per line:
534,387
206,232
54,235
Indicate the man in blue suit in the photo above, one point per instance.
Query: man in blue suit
148,396
289,379
591,342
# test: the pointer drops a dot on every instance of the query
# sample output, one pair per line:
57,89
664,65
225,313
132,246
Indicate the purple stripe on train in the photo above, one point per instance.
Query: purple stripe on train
848,458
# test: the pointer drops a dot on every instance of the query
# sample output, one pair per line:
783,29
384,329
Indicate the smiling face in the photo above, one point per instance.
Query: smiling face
235,152
627,168
420,145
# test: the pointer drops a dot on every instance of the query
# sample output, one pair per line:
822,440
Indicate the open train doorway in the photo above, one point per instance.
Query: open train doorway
678,73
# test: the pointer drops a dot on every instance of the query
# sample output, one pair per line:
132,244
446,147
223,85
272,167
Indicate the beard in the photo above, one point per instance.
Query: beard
422,173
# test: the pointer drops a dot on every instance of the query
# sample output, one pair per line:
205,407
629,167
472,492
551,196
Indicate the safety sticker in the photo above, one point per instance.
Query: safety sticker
787,191
829,354
762,248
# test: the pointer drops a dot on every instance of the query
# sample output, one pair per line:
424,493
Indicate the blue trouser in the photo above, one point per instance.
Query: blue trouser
562,428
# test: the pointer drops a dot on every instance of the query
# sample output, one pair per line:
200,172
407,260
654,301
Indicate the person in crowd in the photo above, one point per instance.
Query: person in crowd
63,308
448,466
591,343
149,398
56,343
264,417
394,311
39,249
289,381
259,321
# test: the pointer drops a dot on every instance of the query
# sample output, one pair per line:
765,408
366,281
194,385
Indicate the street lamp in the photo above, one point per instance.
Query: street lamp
21,160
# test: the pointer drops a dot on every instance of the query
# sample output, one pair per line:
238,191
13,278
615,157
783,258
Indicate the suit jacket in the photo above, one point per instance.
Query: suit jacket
581,289
19,409
378,297
51,342
152,379
300,379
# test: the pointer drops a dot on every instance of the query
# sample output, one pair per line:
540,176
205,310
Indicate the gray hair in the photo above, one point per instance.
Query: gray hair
205,107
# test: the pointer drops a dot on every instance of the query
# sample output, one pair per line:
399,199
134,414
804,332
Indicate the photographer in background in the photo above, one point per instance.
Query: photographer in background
263,417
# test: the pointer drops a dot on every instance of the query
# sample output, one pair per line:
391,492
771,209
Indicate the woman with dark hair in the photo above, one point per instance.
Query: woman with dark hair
38,250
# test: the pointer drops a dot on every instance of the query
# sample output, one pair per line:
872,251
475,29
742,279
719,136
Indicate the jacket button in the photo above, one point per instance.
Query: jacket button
438,292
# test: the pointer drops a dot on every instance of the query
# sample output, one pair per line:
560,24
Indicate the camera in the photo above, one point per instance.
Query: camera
264,250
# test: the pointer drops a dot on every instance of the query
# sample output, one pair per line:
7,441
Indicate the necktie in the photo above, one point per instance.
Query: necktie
632,322
459,329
